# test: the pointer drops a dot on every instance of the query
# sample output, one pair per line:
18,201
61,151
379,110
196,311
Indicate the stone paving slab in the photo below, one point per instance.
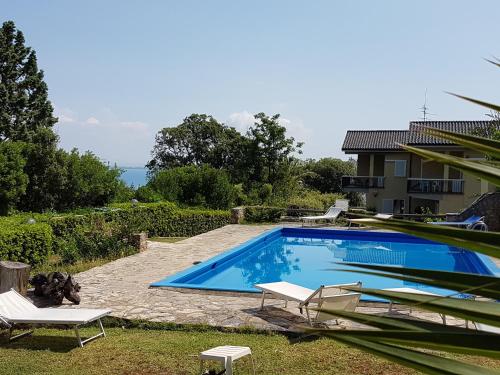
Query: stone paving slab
123,286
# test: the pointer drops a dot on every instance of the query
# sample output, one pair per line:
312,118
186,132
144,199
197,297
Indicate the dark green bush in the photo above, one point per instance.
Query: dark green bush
263,214
22,242
98,234
147,195
195,186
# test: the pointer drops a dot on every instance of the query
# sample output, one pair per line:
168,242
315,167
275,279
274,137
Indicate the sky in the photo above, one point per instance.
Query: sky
119,71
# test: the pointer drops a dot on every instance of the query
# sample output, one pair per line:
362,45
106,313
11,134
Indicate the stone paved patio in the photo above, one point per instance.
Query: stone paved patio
123,286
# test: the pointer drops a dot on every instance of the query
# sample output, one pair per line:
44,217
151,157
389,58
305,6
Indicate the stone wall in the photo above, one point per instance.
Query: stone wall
487,205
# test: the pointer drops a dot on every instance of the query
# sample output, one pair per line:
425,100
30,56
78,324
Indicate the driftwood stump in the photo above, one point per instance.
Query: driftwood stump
56,286
14,275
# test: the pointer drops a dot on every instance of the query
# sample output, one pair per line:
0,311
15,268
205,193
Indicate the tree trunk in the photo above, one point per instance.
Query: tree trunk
14,275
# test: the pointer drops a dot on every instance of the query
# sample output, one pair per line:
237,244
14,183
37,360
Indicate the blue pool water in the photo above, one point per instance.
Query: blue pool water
308,257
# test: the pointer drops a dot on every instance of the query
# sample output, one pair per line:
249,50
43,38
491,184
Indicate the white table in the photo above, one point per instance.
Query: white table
226,355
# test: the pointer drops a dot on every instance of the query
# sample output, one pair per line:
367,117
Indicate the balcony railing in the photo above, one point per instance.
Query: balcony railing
435,186
363,182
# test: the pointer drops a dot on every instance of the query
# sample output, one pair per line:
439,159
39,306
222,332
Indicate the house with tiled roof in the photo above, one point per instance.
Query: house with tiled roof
396,181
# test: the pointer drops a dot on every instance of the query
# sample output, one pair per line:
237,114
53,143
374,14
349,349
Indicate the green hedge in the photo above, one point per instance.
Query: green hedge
99,233
22,242
157,219
263,214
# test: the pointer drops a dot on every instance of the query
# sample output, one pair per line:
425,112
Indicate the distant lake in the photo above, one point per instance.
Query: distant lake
134,176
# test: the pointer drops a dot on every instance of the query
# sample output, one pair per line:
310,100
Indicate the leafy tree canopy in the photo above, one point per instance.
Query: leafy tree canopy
24,104
198,140
13,180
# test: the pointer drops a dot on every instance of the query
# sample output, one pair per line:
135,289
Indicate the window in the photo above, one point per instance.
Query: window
400,168
388,206
393,206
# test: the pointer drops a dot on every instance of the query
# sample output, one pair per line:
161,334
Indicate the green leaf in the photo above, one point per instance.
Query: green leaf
427,363
497,63
493,107
477,311
397,323
471,342
480,170
483,242
486,286
482,144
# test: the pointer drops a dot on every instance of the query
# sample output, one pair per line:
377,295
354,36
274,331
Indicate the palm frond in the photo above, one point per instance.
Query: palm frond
483,242
477,311
491,106
471,343
481,285
497,62
427,363
480,170
482,144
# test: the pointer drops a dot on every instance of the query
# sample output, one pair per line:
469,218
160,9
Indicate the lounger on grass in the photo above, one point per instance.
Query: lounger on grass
15,309
468,223
332,213
376,216
326,297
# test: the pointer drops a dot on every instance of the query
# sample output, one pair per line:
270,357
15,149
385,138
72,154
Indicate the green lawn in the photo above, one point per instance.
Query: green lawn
141,351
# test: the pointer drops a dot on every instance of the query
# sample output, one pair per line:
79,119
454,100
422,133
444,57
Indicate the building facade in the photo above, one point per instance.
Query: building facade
396,181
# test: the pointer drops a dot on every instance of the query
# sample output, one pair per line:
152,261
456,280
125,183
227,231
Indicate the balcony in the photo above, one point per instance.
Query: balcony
435,186
362,183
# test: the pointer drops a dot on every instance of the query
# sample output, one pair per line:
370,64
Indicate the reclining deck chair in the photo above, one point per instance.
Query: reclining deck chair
471,222
332,213
15,309
326,297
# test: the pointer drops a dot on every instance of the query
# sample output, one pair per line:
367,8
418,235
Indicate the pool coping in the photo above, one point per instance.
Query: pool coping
175,281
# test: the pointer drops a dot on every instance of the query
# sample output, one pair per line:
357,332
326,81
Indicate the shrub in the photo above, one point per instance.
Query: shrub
100,234
311,199
22,242
195,186
147,195
263,214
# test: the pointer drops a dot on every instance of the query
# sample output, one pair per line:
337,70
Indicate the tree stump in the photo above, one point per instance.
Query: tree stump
140,241
14,275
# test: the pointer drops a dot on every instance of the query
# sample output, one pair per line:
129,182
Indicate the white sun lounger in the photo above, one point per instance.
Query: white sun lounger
376,216
332,213
330,297
15,309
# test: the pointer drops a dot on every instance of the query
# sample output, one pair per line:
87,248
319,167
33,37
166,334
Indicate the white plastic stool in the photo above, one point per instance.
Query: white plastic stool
226,355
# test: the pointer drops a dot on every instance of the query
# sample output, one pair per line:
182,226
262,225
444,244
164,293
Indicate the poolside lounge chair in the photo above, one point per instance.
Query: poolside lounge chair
376,216
331,297
332,213
473,222
15,309
487,328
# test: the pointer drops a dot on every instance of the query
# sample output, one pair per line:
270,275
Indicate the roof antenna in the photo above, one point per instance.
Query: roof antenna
424,108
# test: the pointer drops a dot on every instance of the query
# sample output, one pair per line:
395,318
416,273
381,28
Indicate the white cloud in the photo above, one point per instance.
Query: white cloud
241,121
296,129
114,140
92,121
64,115
135,125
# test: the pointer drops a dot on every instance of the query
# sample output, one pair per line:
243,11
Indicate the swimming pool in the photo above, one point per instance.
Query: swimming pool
308,257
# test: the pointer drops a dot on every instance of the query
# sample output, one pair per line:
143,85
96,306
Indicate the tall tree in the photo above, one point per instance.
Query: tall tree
24,104
270,150
326,174
198,140
13,180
